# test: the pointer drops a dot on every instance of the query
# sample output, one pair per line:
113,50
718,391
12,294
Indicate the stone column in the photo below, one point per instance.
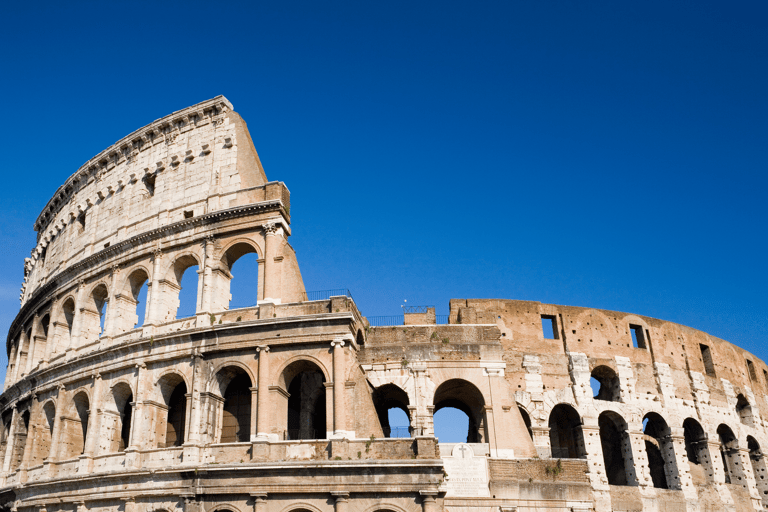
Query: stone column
208,246
679,468
11,441
130,504
53,331
541,442
716,461
594,449
341,500
152,316
636,458
428,502
33,340
16,371
272,239
254,408
192,440
262,412
93,434
29,448
259,501
136,439
339,379
744,470
77,326
109,322
53,455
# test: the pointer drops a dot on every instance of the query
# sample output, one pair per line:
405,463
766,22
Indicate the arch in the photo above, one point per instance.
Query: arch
117,426
285,373
385,507
463,395
75,425
744,410
224,506
386,397
6,419
660,451
238,248
235,388
757,459
298,506
183,302
729,452
64,330
44,434
166,383
20,440
218,382
360,338
246,291
610,386
526,419
135,285
617,450
94,313
566,438
305,404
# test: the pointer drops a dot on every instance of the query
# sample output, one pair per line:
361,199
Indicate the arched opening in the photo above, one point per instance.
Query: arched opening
306,407
607,383
6,419
243,279
94,314
12,363
100,299
44,435
42,338
235,387
117,425
74,427
744,411
617,450
64,330
527,420
20,440
463,396
24,353
696,451
661,452
729,452
134,303
391,402
360,339
566,438
757,459
174,391
186,271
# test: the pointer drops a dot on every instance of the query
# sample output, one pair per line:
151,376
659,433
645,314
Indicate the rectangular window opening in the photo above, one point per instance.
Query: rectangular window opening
549,327
638,338
149,182
81,222
751,368
188,214
706,357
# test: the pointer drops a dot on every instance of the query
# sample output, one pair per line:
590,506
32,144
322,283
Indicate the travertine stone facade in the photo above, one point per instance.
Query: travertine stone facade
282,405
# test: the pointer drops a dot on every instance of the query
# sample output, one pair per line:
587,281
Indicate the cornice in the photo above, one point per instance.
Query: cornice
123,146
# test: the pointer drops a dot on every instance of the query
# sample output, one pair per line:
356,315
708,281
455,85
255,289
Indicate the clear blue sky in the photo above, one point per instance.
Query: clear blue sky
604,154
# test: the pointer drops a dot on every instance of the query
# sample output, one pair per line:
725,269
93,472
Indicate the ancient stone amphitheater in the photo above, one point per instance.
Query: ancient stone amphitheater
283,406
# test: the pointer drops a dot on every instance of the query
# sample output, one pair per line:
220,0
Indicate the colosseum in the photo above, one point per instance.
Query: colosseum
114,405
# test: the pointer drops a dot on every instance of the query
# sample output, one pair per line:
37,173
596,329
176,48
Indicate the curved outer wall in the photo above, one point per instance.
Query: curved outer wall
282,405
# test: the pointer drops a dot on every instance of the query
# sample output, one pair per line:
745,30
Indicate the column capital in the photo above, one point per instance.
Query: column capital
338,342
270,228
259,496
262,348
340,495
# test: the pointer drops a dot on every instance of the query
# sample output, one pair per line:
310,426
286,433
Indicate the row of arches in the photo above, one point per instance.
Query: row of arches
567,440
125,301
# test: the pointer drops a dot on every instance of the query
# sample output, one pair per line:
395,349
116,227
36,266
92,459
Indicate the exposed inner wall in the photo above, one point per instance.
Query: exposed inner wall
196,161
603,336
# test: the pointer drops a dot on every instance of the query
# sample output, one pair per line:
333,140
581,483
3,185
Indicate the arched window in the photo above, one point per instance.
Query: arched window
305,383
757,459
133,302
661,452
729,452
235,386
75,427
44,435
744,411
118,424
177,416
387,399
696,451
20,440
462,396
617,450
242,284
607,383
565,436
64,330
95,314
6,419
185,270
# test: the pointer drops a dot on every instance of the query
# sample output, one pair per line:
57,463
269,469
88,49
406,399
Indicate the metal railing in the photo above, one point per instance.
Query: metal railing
415,309
386,321
326,294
